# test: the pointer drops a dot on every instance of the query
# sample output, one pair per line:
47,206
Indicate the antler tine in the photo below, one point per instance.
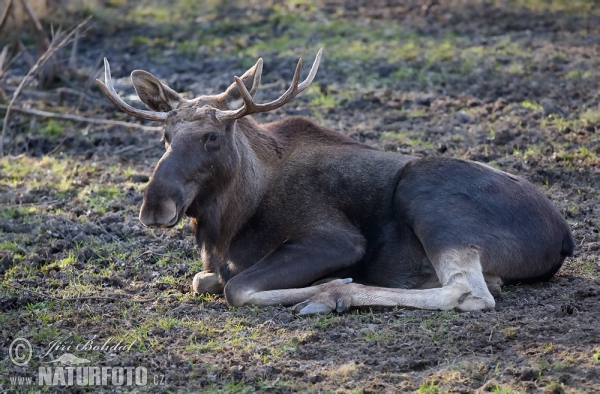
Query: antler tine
312,73
257,76
251,107
109,91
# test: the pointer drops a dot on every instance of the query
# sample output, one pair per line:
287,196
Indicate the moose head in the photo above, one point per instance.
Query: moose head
201,138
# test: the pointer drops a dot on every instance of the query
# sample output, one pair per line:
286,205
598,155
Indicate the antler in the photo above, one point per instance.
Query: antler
251,107
110,92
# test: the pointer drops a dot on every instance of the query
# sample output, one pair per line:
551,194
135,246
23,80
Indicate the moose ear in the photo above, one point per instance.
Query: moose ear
156,95
250,79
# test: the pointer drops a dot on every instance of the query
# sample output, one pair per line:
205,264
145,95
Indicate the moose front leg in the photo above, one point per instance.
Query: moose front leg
280,277
463,288
207,282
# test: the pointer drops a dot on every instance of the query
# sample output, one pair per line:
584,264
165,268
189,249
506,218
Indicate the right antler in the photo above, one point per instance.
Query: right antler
109,91
251,107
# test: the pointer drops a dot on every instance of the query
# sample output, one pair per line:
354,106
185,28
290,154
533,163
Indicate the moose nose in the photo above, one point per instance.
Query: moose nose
163,214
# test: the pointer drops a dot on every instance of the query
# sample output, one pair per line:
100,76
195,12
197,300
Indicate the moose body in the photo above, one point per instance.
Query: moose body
280,206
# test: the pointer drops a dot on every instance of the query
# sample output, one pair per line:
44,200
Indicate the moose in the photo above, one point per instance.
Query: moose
292,213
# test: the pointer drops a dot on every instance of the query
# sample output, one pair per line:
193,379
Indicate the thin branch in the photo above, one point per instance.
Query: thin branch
76,118
58,92
14,56
73,57
40,63
3,59
124,297
38,26
5,15
99,71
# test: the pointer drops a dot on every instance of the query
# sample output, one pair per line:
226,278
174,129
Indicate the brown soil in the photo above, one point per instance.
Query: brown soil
84,239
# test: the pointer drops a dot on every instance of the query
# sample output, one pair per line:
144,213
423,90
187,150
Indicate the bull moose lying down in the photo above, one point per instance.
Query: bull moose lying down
277,207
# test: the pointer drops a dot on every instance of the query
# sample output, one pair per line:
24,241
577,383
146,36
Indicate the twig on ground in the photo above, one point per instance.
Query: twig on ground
83,298
37,203
3,55
94,75
76,118
60,92
53,48
5,15
57,147
66,91
106,232
133,148
150,252
73,57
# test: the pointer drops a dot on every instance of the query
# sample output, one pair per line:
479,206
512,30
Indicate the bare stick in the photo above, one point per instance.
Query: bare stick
3,58
73,57
76,118
5,15
123,298
33,16
40,62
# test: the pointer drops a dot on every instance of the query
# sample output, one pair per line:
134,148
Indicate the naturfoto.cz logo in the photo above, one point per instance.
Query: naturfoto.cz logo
71,370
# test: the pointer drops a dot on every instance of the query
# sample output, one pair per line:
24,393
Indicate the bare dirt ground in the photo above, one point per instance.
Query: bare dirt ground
514,84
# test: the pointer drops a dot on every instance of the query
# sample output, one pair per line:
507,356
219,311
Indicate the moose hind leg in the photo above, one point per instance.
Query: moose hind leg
494,284
459,271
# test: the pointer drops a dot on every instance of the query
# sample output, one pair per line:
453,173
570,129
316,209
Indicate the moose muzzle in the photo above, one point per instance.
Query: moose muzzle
162,206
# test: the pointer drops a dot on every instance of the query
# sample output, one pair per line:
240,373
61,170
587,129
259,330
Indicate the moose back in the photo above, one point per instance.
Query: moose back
277,207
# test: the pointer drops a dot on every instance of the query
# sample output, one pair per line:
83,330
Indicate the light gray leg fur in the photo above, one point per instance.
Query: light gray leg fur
459,271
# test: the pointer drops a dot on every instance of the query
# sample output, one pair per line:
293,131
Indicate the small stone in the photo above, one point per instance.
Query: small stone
462,117
529,373
139,178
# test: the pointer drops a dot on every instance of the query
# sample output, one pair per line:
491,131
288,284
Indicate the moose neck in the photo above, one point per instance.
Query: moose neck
225,212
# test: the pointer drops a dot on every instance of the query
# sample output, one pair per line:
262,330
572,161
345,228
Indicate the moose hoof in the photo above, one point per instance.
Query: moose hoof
311,308
495,289
206,282
470,302
333,298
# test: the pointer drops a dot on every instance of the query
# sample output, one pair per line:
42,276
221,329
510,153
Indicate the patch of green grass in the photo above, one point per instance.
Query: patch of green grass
510,332
379,337
103,197
227,388
497,389
532,106
571,7
209,346
325,321
406,138
561,123
167,323
543,364
52,129
573,74
324,101
45,334
8,245
596,356
429,387
61,264
591,115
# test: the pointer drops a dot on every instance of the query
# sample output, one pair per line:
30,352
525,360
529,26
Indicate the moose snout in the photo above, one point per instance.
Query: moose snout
161,206
164,214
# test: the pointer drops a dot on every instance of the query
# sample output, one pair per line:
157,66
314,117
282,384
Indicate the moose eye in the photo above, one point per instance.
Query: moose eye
213,137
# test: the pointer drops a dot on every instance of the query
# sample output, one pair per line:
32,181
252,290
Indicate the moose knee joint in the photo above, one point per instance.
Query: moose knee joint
236,294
